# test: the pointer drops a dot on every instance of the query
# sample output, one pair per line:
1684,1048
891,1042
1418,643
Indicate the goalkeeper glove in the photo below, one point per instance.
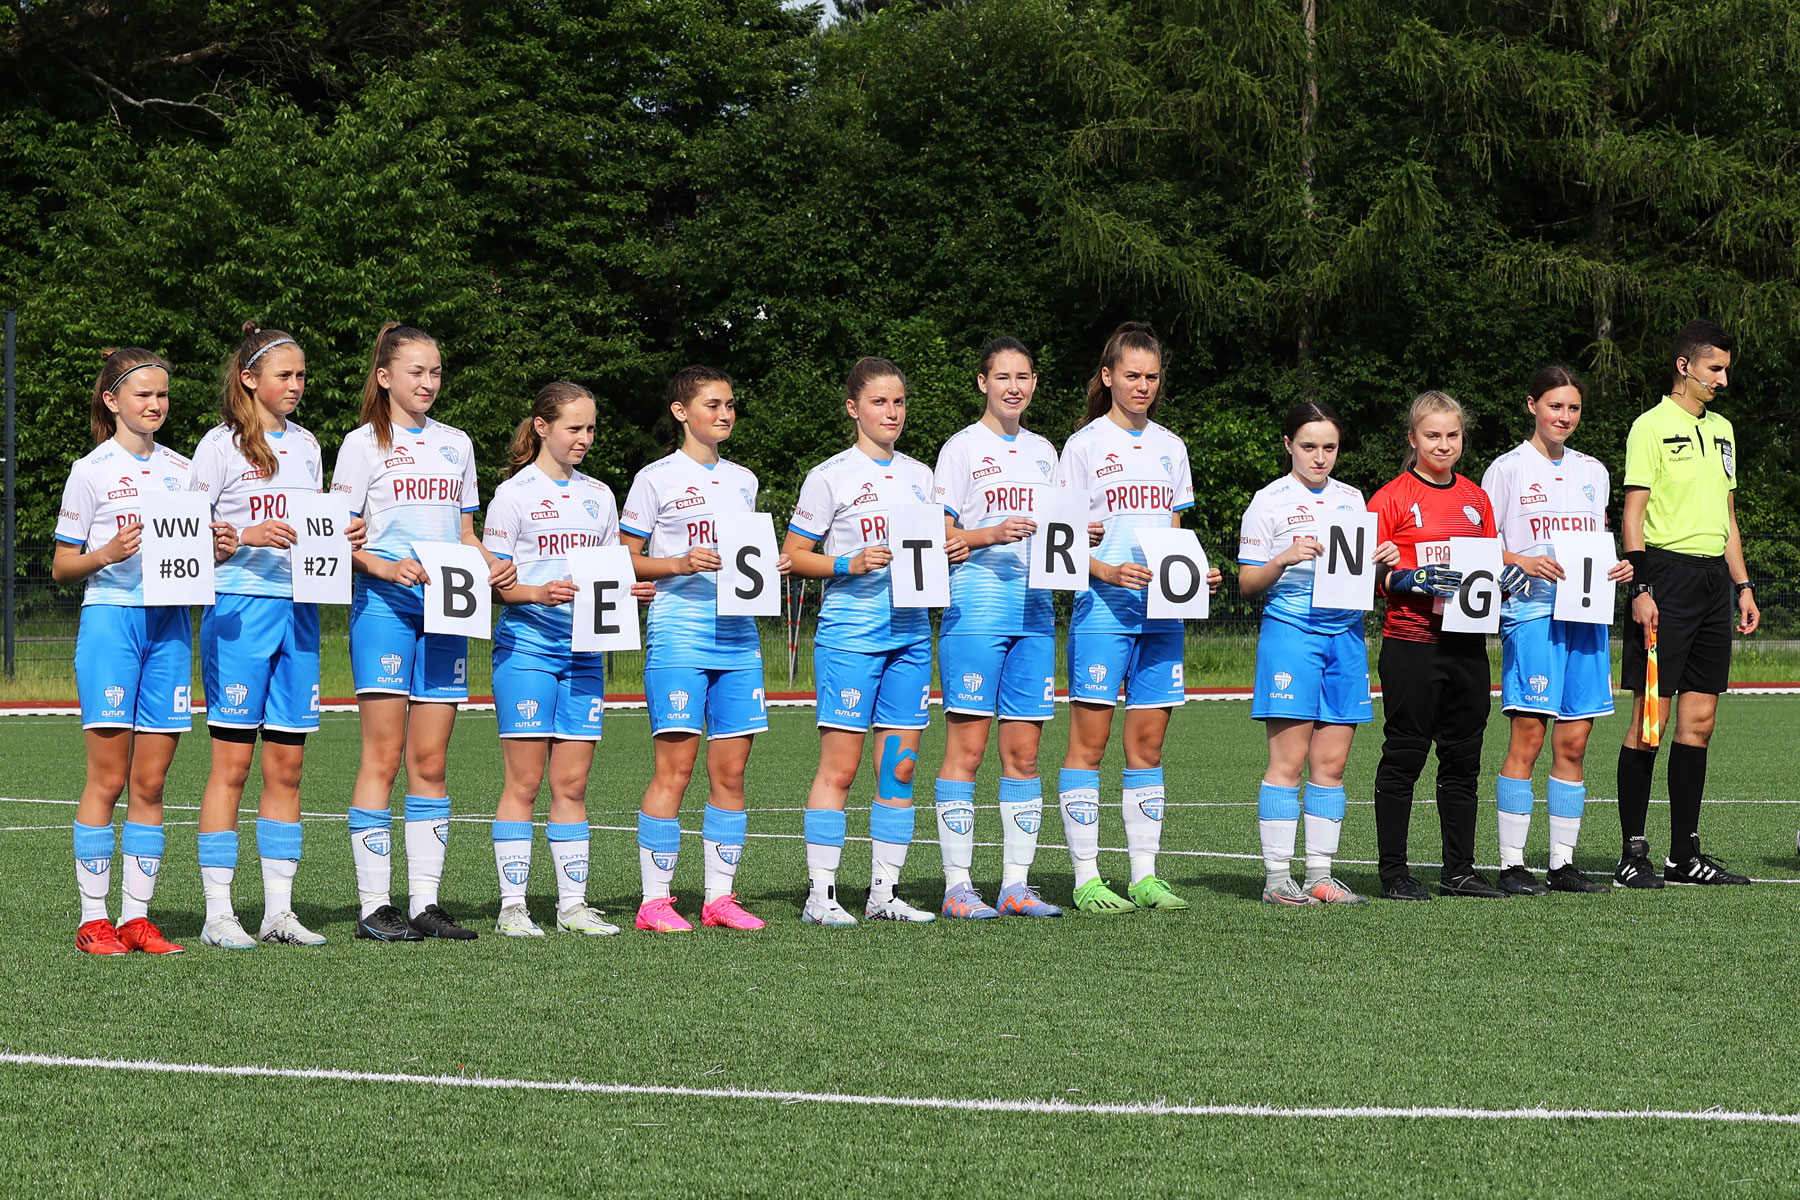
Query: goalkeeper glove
1514,581
1434,580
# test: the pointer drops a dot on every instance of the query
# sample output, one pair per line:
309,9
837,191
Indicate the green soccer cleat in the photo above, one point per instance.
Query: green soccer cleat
1151,892
1095,897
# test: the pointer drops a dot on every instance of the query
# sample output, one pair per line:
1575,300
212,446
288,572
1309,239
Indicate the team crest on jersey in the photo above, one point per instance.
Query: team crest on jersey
959,821
174,485
94,866
1109,466
450,454
115,695
592,508
849,698
988,467
679,701
1168,466
919,492
1152,807
1097,672
1534,495
1727,457
376,841
576,869
1085,812
1044,467
516,872
149,866
390,663
235,694
1029,819
730,855
1587,489
1282,679
972,681
664,859
527,708
1539,684
1473,513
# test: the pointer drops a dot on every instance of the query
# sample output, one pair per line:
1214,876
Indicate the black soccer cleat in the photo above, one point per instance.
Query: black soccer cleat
387,924
1700,869
1471,883
1403,887
1567,879
1517,881
434,922
1634,869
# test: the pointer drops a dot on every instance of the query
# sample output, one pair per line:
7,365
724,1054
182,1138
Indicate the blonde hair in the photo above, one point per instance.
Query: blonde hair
546,408
388,339
238,408
1428,404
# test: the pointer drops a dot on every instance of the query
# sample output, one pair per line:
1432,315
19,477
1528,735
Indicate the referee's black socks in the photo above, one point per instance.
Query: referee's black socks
1687,783
1635,767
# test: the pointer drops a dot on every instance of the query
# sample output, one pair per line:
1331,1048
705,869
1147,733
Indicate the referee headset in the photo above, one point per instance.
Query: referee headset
1712,389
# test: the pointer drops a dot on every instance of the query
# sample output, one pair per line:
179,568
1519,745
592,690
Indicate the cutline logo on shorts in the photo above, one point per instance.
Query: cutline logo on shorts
678,701
849,698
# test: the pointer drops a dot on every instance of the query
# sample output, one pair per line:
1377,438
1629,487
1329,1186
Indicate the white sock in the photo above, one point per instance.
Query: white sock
371,849
278,887
426,843
1322,834
570,856
1021,816
1564,833
886,859
822,862
139,887
1078,795
1142,804
512,860
1278,849
1515,826
656,880
722,836
956,829
215,887
93,869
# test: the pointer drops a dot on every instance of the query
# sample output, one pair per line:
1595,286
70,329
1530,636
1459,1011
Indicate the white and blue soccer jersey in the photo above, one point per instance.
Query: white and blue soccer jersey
1134,480
983,478
845,501
415,491
1534,500
103,495
535,521
1279,515
673,504
242,496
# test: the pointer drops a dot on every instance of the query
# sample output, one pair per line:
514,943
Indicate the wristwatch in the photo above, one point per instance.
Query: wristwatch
1642,589
1741,588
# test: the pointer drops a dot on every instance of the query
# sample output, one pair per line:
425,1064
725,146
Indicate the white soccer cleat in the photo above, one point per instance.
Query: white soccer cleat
224,932
826,912
896,909
515,921
584,918
285,929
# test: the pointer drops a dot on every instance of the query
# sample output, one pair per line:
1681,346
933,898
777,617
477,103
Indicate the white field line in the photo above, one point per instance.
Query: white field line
1054,1107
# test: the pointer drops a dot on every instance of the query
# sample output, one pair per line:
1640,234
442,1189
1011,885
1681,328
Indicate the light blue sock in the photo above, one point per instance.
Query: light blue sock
1277,823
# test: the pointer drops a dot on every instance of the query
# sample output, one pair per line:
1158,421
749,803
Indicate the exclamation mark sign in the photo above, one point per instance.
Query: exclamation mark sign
1587,583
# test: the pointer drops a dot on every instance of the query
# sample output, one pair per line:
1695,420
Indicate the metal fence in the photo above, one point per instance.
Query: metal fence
43,618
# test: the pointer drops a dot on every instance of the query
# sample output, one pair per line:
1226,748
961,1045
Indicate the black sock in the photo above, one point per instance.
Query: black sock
1687,783
1635,768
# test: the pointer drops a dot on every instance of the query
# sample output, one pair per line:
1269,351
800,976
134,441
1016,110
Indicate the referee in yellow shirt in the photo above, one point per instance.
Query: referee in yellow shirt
1681,535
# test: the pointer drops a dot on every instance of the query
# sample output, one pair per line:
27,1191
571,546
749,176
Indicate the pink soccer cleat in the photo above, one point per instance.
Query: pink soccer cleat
727,913
659,916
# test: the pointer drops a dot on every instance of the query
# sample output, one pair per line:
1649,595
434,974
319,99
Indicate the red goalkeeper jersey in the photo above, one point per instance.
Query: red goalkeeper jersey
1420,518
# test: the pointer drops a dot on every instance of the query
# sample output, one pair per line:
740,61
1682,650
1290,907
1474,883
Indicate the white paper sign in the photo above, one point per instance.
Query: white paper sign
1585,594
605,611
1476,606
749,584
1344,571
1178,575
1059,549
458,599
320,556
920,574
177,549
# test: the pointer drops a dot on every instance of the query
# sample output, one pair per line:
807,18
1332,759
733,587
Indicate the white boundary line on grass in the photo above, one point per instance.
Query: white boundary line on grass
1061,1108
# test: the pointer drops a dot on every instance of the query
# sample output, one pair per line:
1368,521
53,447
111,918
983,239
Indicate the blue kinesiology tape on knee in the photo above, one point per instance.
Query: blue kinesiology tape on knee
566,831
142,841
93,841
1012,791
1069,779
824,827
1566,799
724,826
957,789
1513,795
1275,803
889,785
659,835
278,839
891,823
1143,777
512,831
1327,802
428,808
219,849
369,818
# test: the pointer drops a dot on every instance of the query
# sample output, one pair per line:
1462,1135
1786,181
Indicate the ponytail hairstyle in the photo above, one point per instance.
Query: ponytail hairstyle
1306,413
684,385
388,339
526,442
1132,335
1001,345
115,365
1427,404
866,371
1548,379
239,410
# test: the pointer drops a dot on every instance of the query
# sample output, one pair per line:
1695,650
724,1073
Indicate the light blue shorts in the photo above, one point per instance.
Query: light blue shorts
134,668
890,689
979,672
1308,675
1552,668
259,663
549,695
1145,667
723,702
391,653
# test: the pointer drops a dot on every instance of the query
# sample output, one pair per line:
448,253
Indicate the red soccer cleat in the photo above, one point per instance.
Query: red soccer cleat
99,937
139,934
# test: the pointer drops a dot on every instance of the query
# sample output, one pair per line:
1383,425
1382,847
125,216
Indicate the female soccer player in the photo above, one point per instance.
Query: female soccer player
413,480
871,661
1550,668
1434,685
549,699
701,670
1136,475
1312,668
259,651
995,649
132,662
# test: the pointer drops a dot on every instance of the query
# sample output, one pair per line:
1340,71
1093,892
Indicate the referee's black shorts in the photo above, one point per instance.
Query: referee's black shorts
1695,617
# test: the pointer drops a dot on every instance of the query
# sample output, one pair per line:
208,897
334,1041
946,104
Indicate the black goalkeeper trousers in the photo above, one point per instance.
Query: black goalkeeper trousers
1432,694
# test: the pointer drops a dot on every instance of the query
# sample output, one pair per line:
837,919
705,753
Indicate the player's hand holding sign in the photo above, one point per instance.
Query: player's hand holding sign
225,540
1434,580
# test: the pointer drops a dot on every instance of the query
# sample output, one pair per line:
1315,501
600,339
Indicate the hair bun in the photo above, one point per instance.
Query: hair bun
251,327
108,352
